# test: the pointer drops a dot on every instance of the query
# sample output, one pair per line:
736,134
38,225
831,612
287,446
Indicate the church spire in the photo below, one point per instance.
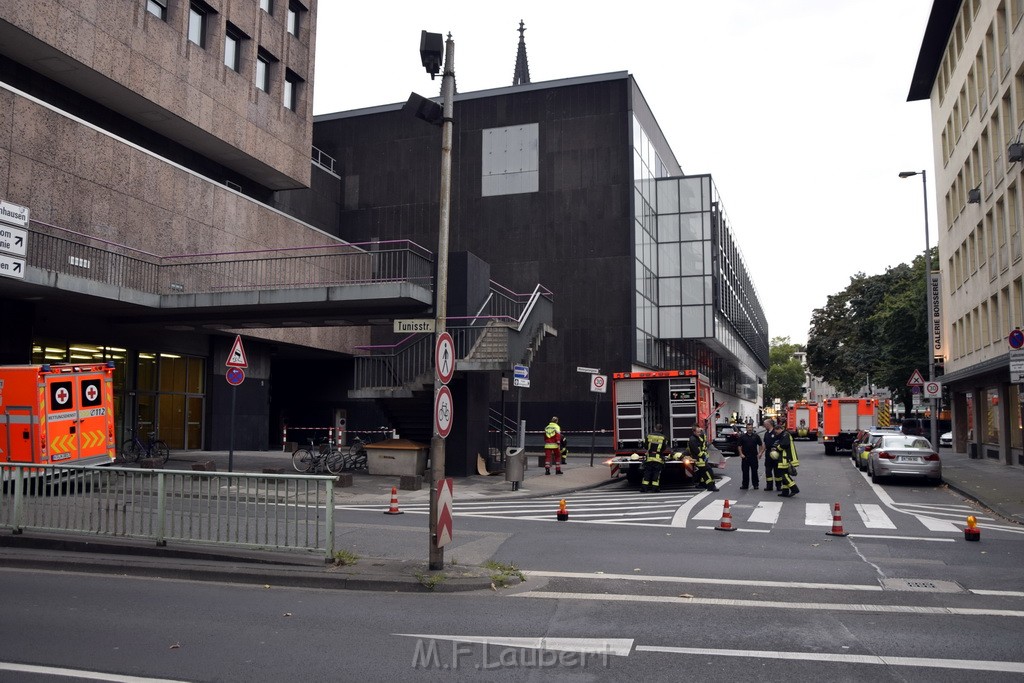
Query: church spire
522,75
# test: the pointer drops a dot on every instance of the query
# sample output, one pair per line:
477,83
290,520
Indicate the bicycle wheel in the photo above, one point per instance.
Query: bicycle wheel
335,462
358,461
160,451
132,451
302,460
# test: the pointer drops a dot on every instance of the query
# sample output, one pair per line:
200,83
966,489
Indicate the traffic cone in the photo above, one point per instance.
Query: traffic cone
726,523
971,531
837,523
563,514
393,510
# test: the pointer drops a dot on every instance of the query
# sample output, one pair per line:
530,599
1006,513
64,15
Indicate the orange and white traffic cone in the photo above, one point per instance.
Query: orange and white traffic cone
563,513
971,531
837,523
726,523
393,510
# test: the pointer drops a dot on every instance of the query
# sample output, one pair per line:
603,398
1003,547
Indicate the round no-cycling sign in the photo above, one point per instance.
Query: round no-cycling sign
443,411
599,383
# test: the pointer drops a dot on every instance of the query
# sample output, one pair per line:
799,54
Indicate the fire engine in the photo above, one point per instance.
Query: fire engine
677,399
57,414
843,418
802,419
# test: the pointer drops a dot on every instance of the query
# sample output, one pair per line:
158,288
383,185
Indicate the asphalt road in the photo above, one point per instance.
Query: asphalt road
611,600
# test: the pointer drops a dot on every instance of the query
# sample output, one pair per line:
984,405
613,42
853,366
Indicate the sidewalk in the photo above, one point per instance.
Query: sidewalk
993,485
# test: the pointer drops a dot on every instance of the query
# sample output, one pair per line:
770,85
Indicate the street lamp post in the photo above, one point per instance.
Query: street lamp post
427,110
934,432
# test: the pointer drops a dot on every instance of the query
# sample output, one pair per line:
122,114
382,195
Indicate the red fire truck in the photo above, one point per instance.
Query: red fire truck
843,418
676,399
802,419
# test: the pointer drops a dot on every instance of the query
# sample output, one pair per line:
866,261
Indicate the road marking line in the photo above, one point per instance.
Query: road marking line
766,512
928,662
770,604
713,510
873,517
905,538
603,646
718,582
82,673
937,524
1009,594
818,514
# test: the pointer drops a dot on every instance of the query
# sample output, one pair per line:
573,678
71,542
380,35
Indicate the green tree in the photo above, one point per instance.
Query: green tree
875,327
785,373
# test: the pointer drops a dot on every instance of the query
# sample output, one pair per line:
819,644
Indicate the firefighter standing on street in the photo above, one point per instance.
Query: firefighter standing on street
552,446
698,447
654,461
784,453
771,473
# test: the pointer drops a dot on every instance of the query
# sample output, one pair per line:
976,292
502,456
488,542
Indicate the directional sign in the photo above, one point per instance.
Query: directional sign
13,214
235,376
443,530
521,371
236,358
599,384
443,411
1016,339
444,357
933,389
13,240
12,267
916,380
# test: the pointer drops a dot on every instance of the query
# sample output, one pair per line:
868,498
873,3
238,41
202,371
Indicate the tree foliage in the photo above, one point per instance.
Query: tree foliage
875,327
785,373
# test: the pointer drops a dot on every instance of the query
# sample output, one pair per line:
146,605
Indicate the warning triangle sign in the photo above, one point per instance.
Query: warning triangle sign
236,359
916,380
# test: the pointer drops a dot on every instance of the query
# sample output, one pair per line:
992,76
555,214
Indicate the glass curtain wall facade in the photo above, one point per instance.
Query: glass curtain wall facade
155,392
696,306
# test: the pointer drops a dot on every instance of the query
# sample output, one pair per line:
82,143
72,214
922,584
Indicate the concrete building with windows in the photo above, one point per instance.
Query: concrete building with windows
572,184
971,69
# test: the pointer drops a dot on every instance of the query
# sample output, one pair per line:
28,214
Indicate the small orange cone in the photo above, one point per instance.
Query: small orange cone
726,523
837,523
563,514
393,510
971,531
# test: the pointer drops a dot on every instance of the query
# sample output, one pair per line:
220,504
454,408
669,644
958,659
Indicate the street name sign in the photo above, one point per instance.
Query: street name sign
414,326
14,214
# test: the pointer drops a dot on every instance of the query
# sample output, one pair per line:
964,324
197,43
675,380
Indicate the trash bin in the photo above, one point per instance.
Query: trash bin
515,466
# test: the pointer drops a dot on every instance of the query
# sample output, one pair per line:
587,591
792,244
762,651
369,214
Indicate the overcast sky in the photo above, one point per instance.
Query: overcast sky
798,109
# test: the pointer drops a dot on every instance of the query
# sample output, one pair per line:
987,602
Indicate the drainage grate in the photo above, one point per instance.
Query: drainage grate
921,586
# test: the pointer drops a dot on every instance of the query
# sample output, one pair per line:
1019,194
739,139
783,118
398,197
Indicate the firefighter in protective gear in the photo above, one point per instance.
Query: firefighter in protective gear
563,450
654,461
772,478
552,446
698,447
784,453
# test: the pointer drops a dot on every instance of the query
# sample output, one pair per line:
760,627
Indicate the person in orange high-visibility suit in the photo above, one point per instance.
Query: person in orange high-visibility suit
553,446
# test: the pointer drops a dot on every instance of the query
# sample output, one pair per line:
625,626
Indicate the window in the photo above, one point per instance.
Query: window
267,6
233,48
293,19
291,89
263,61
197,24
158,8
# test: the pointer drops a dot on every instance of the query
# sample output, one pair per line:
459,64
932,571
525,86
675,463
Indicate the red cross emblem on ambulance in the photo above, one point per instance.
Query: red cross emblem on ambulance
62,396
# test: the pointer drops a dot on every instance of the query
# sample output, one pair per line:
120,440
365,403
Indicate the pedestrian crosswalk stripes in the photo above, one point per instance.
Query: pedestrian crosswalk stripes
673,508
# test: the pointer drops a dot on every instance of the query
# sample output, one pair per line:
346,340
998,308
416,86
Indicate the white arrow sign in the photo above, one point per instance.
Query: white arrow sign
13,240
12,267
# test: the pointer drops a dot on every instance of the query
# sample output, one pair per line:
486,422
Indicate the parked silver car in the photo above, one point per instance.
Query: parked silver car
859,450
901,455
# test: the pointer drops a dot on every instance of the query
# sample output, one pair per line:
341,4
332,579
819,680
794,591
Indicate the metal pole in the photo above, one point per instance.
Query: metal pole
231,437
593,432
436,554
929,315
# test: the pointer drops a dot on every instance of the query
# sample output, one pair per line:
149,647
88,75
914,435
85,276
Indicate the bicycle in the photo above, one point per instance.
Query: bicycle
315,459
355,458
134,450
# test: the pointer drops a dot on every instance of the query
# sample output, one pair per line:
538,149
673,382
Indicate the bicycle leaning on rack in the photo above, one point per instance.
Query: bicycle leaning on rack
135,450
355,458
316,458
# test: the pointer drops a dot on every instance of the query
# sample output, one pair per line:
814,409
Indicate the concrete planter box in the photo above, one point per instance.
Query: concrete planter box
397,457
